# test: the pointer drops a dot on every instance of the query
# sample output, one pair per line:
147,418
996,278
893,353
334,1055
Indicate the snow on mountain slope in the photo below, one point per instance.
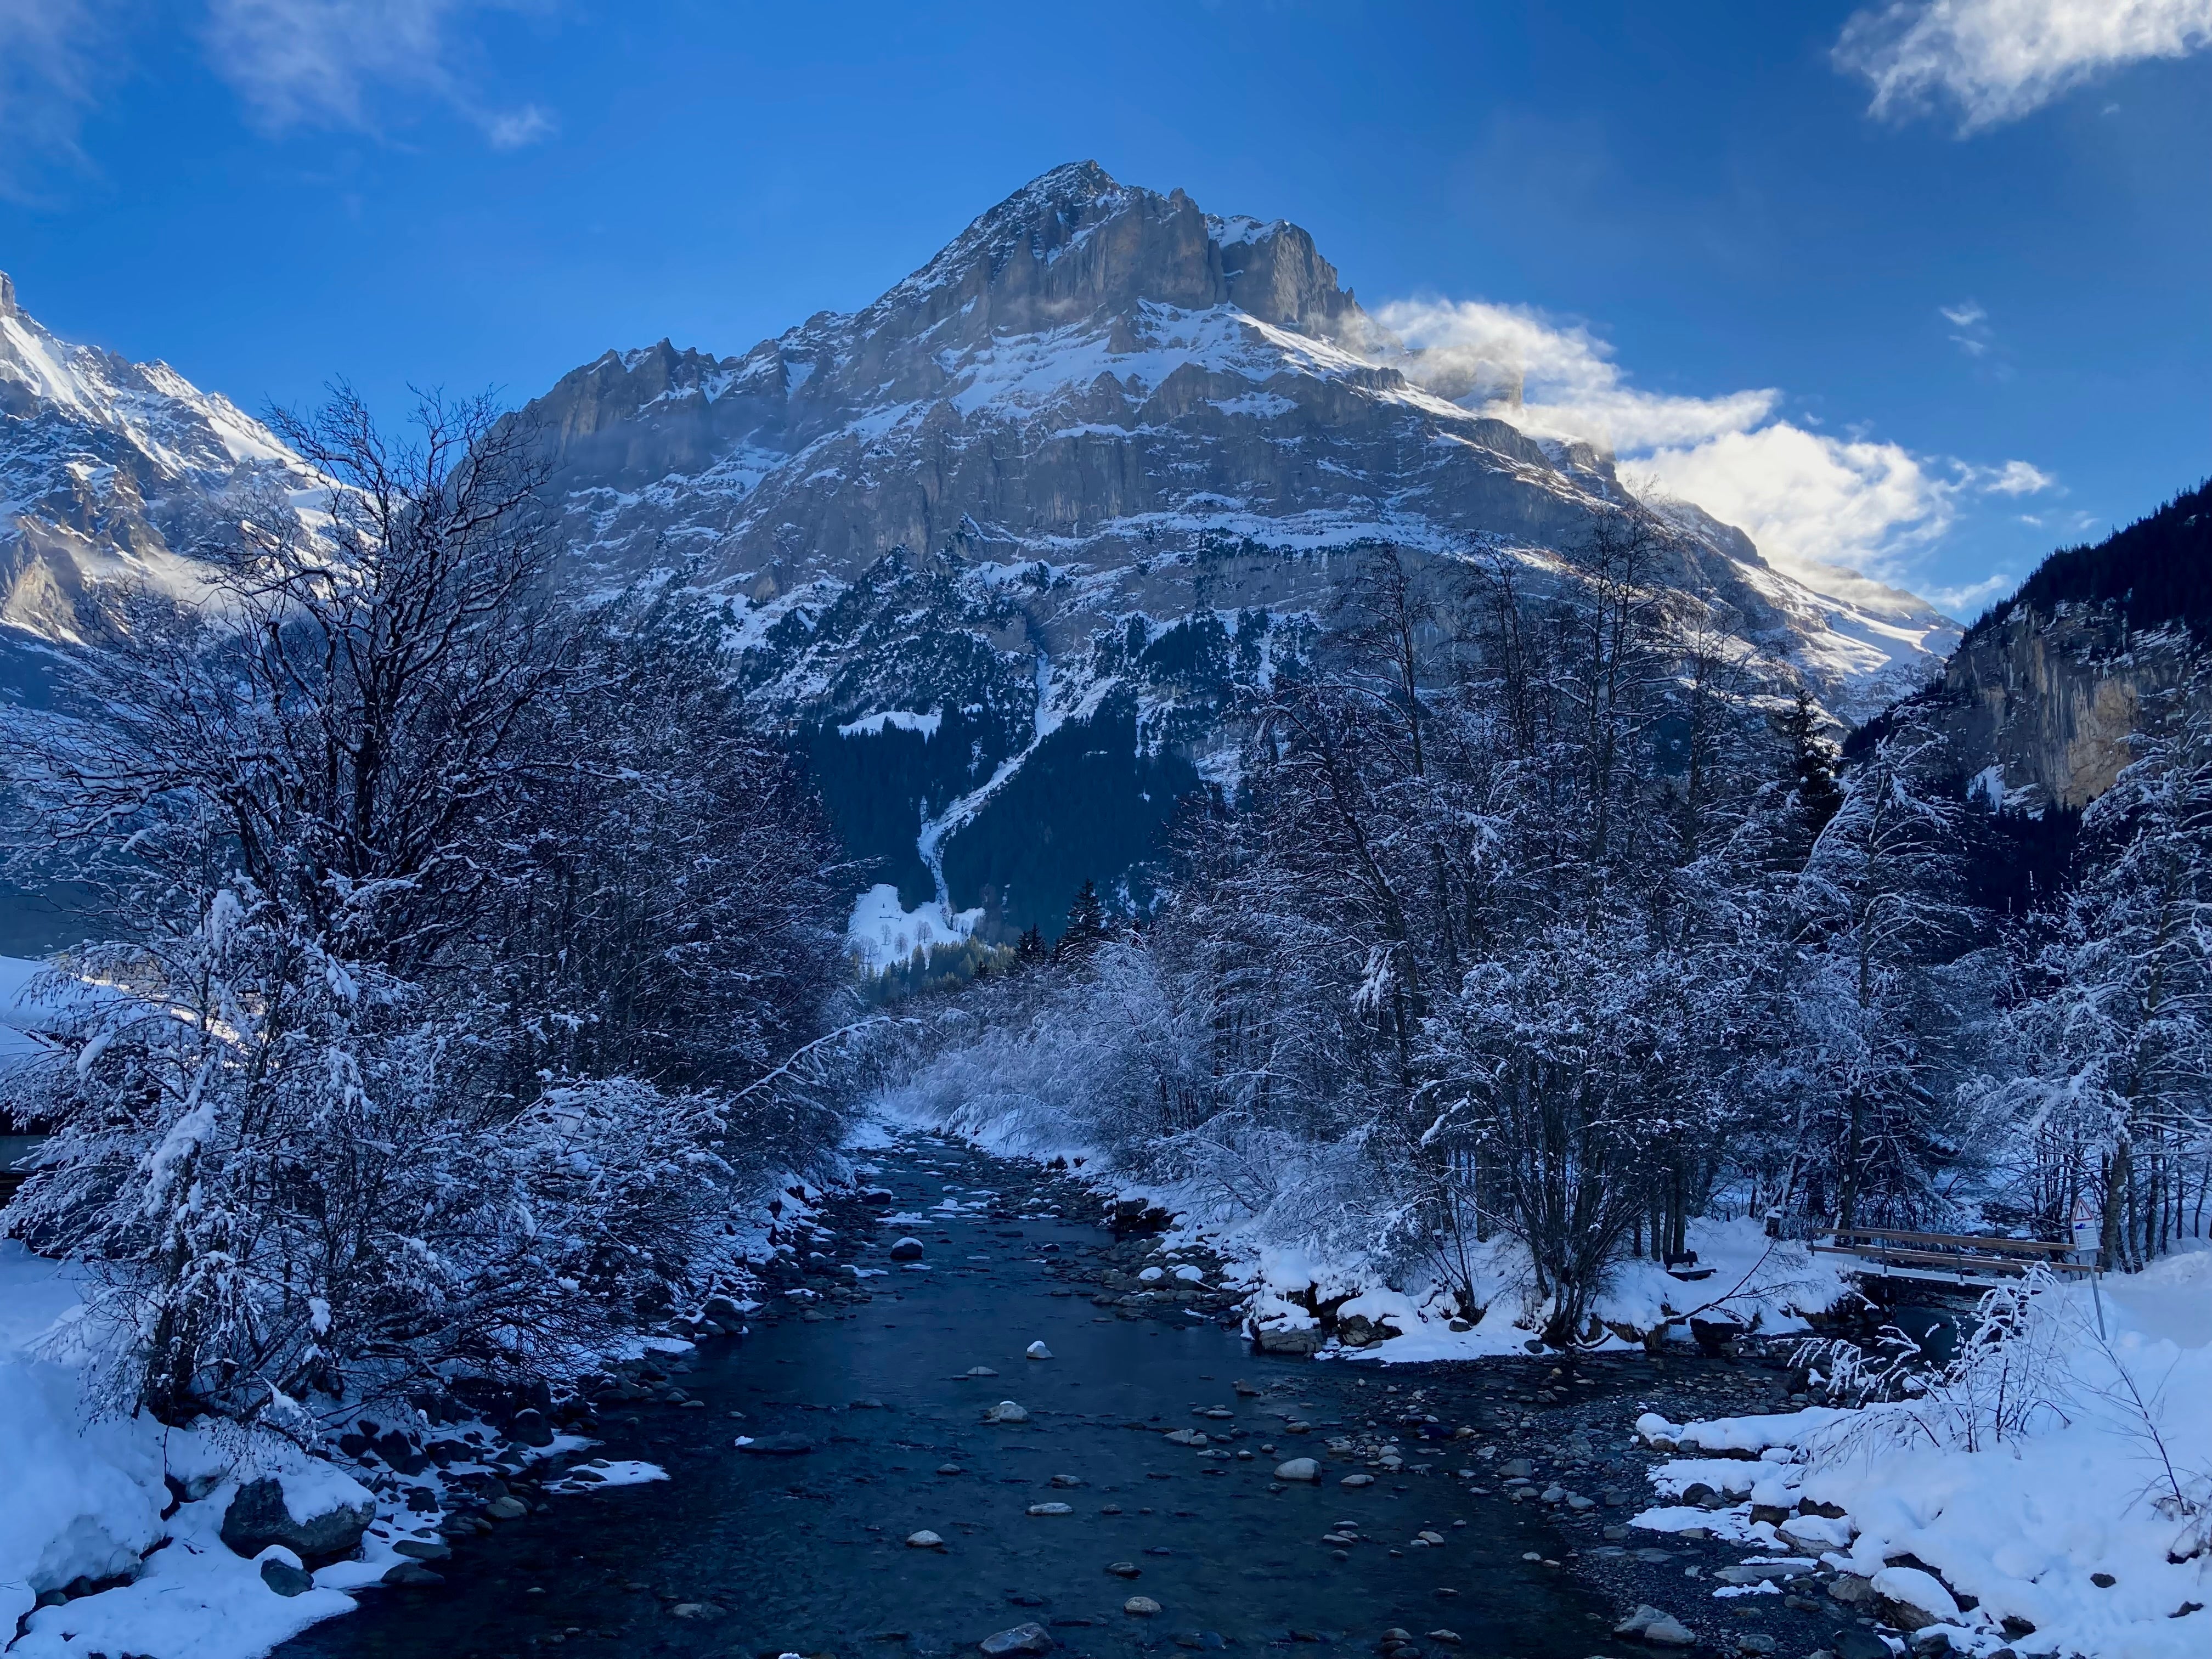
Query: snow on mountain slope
115,472
1094,465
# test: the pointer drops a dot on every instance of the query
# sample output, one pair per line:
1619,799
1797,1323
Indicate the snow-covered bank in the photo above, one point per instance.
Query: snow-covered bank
2050,1498
93,1500
1324,1267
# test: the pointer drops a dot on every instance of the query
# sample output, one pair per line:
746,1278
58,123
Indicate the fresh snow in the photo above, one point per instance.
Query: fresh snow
896,719
883,933
2021,1525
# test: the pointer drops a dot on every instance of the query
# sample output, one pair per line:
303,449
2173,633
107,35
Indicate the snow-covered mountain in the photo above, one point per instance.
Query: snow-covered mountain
113,473
1007,539
1001,546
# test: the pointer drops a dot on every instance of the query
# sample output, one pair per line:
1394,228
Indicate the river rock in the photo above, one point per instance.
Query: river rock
1660,1629
1910,1598
778,1445
414,1573
924,1540
260,1514
1052,1508
1517,1468
1037,1350
1124,1569
1021,1638
282,1572
1290,1338
1298,1468
1355,1481
1006,1411
907,1249
529,1427
507,1508
422,1549
1140,1607
981,1370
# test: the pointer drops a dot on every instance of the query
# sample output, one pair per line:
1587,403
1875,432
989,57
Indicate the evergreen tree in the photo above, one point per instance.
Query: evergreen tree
1086,922
1812,765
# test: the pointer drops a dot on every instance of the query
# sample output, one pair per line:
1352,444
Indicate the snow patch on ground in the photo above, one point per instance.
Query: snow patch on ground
86,1495
2023,1525
884,933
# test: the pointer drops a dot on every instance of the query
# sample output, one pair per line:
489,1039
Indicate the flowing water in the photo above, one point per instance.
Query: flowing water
742,1553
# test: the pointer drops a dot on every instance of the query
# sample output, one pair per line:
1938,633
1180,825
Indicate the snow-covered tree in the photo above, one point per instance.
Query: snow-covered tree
457,930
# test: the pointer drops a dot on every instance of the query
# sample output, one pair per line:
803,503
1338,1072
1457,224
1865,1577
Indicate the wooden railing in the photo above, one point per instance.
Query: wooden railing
1968,1256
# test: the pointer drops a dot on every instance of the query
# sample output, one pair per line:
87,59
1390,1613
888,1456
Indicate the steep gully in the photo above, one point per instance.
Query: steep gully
804,1551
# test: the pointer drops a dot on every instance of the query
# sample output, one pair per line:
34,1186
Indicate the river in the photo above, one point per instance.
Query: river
741,1553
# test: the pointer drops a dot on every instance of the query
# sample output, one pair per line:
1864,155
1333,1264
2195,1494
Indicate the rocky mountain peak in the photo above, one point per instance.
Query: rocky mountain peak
1073,244
115,473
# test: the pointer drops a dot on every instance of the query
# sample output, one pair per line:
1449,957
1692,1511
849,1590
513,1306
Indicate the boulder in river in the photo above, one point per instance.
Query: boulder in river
1052,1508
1007,1411
924,1540
322,1523
1356,1480
1021,1638
1124,1569
1037,1350
1660,1629
282,1572
907,1249
1140,1607
1298,1468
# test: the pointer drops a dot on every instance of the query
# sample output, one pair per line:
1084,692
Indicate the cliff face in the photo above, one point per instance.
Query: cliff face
2046,701
2046,689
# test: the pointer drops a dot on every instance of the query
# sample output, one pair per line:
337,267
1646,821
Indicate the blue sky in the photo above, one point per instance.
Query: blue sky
1921,286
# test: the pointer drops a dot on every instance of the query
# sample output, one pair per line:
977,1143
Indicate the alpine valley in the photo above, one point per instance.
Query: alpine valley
1000,549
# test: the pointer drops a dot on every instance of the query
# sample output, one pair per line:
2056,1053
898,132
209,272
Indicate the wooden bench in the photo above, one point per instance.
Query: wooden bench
1948,1258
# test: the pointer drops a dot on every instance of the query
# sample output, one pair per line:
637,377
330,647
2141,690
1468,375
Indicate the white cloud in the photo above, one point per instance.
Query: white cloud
1997,60
1974,336
1811,502
1561,377
1974,596
518,128
2018,478
320,63
48,49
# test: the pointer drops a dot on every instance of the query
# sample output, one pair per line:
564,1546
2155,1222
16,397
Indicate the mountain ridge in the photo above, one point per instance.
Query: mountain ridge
1000,547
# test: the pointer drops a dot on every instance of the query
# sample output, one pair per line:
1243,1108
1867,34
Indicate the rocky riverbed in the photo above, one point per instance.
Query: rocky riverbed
1039,1434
